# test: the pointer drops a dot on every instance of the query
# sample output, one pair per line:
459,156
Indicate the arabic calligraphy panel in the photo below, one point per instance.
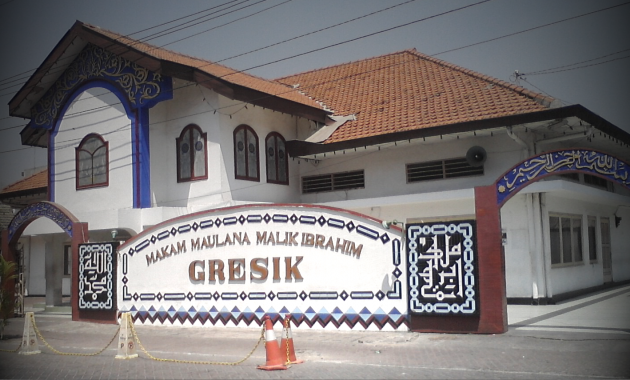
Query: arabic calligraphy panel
586,161
96,276
442,262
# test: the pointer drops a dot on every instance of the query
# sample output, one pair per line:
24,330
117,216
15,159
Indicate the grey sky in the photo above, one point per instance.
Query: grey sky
30,29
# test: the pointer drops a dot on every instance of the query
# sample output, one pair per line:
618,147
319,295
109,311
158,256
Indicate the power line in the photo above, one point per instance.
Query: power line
294,38
382,32
554,71
360,37
315,31
576,63
214,110
530,29
176,29
153,27
227,23
340,43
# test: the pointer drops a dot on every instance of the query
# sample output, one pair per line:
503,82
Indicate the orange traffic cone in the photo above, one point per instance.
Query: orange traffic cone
275,359
287,341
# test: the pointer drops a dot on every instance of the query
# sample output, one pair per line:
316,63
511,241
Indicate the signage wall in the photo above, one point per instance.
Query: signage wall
327,267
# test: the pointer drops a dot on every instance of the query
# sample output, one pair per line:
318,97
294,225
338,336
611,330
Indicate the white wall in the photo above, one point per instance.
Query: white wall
518,249
570,277
620,244
196,105
113,125
385,168
33,249
35,262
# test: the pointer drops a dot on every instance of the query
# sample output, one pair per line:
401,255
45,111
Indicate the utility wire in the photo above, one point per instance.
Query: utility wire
530,29
154,123
252,51
178,28
399,27
227,23
315,31
574,64
151,35
291,39
554,71
359,38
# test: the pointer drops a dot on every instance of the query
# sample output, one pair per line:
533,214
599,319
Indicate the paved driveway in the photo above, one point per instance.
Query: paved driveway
588,337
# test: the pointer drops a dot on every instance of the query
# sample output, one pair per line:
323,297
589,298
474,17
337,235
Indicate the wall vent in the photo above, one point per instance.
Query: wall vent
334,181
441,169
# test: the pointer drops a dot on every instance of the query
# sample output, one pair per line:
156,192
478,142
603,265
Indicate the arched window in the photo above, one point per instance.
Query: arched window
192,155
246,164
92,162
277,163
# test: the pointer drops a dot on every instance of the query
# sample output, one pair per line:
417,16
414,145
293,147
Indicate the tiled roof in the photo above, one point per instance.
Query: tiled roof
222,72
408,90
36,181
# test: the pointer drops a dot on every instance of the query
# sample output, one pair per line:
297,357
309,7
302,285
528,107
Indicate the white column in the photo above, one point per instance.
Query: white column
54,271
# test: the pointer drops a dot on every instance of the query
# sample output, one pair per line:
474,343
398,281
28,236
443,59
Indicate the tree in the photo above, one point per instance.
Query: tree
7,273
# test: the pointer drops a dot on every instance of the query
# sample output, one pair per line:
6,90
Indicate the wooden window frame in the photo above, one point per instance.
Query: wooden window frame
277,136
190,128
105,145
247,130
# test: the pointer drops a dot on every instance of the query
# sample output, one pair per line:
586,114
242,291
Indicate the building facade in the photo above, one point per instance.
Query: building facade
146,145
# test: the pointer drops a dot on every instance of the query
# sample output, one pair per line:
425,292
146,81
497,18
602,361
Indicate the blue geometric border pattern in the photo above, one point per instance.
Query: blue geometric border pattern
558,162
96,276
437,283
38,210
142,87
309,317
312,220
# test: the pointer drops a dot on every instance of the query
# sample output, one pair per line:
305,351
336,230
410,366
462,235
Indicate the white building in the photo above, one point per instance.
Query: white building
138,135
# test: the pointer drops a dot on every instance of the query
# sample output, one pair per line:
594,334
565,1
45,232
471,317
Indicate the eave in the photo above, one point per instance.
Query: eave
80,35
299,148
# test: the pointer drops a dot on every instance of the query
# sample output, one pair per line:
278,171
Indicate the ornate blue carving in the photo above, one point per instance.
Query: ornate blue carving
38,210
558,162
141,87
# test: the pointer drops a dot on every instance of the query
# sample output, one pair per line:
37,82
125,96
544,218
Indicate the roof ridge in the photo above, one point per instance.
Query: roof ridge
538,97
343,64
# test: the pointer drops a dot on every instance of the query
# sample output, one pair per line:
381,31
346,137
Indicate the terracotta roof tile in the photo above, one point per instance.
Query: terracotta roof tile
36,181
224,73
408,90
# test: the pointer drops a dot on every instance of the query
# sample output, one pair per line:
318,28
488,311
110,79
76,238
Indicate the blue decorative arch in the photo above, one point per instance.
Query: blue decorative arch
58,214
141,87
138,89
560,162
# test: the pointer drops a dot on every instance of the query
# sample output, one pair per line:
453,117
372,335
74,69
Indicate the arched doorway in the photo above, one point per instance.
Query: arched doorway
77,231
490,199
